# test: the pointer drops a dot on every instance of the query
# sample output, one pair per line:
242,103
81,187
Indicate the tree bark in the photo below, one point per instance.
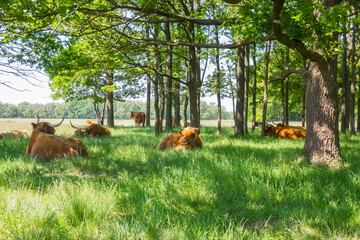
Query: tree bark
240,85
110,99
177,104
246,87
353,79
267,59
322,134
232,93
148,88
168,126
218,83
254,91
286,106
304,96
148,101
345,83
157,63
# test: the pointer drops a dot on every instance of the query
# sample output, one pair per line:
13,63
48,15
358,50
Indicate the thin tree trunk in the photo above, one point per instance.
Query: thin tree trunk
345,94
304,97
186,101
218,83
246,87
240,85
254,91
282,102
267,59
110,99
177,104
168,80
358,118
148,101
232,94
286,107
353,80
157,63
148,88
97,112
103,112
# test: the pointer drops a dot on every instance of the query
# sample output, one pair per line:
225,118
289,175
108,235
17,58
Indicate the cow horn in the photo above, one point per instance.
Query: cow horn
73,125
38,119
58,124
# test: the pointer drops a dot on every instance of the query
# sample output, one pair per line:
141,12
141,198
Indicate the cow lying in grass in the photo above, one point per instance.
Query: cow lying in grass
139,118
90,122
14,134
187,138
284,131
43,143
94,130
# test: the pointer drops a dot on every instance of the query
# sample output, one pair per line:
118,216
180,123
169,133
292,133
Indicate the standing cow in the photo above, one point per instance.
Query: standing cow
43,143
139,118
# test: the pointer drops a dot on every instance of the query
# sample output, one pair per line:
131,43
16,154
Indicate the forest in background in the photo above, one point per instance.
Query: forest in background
83,109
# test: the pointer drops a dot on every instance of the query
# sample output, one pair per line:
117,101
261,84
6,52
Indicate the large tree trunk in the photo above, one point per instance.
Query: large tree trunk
353,80
246,86
168,126
322,133
218,94
186,101
240,84
110,99
345,84
267,59
254,91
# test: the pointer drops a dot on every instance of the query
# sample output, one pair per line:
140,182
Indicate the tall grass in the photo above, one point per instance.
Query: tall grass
233,188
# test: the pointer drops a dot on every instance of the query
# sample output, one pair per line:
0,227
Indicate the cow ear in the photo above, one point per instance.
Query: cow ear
34,125
197,131
180,131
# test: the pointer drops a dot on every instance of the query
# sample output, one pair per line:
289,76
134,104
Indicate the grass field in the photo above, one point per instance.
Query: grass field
233,188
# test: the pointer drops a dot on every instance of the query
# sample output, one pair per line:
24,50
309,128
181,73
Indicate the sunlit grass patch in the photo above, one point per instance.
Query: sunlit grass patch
234,188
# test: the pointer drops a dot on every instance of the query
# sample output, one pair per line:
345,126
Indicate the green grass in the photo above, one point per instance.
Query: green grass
233,188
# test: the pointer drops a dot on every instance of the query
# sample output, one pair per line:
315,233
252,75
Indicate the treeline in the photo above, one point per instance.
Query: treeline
84,110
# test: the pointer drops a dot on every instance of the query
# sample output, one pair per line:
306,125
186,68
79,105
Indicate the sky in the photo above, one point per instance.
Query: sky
38,91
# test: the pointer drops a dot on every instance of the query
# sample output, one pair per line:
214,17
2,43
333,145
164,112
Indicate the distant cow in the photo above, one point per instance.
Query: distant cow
43,143
90,122
15,133
139,118
285,131
187,138
94,130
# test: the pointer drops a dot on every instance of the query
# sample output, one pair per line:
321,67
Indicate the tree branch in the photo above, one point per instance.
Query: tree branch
286,40
282,76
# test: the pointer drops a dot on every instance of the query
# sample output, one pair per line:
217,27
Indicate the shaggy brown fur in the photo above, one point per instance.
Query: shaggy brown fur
187,138
94,130
139,118
44,144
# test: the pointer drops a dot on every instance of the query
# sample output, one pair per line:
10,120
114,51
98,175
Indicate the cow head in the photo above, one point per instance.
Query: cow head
78,131
189,135
46,127
132,114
